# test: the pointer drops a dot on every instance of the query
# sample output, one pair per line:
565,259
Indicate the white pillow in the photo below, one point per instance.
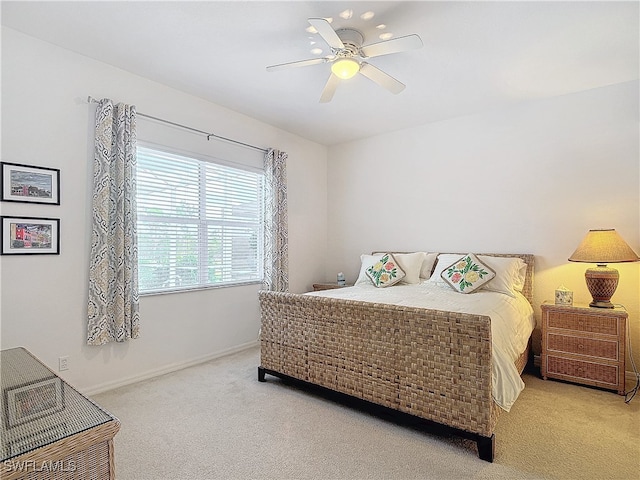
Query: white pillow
427,265
444,260
366,261
510,274
411,263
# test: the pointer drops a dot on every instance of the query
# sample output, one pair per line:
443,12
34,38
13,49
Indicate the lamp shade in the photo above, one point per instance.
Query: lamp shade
602,247
345,68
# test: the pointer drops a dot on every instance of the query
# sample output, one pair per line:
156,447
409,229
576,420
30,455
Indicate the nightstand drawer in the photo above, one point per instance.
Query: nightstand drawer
584,372
592,347
582,322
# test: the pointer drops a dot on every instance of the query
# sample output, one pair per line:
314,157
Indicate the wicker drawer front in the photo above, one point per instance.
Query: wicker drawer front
573,369
93,461
607,349
583,322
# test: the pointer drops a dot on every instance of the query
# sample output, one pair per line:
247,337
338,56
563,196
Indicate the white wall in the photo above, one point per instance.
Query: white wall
46,121
533,178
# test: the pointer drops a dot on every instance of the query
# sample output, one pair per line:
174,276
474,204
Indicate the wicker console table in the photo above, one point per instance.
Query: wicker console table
49,429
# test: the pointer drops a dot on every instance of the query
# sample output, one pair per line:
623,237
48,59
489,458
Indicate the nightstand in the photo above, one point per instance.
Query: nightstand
328,286
584,345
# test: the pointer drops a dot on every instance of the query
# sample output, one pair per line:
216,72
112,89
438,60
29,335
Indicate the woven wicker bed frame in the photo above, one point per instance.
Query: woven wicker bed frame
431,364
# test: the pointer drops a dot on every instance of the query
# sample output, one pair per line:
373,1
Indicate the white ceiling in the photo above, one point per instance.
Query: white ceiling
477,56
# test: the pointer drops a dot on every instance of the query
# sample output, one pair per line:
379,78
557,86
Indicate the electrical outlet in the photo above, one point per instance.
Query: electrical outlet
63,364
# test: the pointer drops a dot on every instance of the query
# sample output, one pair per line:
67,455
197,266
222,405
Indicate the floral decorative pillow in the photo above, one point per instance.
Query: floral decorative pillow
410,263
385,272
467,274
443,260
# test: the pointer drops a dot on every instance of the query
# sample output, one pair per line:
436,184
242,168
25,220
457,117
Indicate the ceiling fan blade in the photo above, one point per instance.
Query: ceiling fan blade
395,45
329,89
300,63
327,32
383,79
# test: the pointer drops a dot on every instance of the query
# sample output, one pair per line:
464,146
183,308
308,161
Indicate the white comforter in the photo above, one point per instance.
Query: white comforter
512,322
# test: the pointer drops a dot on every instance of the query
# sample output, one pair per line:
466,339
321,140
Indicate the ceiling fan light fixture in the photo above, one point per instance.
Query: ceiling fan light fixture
345,68
348,53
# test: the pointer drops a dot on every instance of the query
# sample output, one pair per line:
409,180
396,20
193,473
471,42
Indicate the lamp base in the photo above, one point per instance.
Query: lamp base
602,304
602,282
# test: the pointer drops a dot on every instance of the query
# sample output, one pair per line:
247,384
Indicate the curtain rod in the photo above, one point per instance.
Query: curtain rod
90,99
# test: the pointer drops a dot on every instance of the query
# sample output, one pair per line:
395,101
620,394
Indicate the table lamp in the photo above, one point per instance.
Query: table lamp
602,247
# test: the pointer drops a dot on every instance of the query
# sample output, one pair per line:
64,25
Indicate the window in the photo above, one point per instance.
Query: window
200,223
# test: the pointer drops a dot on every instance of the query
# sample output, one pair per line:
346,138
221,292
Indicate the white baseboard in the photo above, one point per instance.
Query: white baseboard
166,369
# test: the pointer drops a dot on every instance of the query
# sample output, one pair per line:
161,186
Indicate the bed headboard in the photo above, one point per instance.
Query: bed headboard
528,258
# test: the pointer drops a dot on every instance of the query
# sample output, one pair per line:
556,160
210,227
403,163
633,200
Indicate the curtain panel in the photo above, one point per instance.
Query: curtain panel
113,308
276,241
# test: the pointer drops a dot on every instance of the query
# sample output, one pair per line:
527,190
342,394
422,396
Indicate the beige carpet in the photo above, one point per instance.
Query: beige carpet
216,421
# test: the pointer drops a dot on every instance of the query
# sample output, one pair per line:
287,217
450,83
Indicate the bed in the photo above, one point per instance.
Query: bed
419,346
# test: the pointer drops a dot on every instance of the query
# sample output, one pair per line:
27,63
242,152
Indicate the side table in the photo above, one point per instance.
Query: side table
49,429
328,286
584,345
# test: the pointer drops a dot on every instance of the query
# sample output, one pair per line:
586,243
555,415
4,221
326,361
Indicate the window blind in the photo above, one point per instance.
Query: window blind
200,223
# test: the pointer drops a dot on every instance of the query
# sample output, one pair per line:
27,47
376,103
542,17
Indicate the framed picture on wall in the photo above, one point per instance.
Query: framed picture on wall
30,236
30,184
34,400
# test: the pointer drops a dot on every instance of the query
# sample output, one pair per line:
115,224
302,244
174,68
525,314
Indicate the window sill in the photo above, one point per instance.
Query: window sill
200,288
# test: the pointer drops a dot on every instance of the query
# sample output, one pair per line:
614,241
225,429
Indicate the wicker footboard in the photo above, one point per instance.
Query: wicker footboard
432,364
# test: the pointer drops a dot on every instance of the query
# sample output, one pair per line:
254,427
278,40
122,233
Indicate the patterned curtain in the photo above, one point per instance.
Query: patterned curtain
276,237
113,314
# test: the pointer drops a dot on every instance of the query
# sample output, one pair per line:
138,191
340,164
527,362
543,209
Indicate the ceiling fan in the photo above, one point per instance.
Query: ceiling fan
348,56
